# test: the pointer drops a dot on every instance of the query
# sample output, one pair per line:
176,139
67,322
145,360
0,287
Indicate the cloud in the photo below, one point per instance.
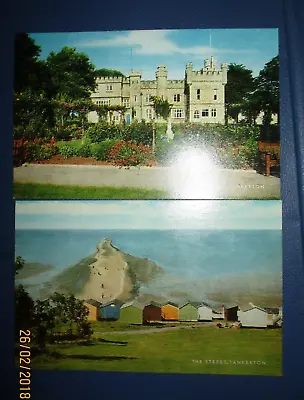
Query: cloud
152,42
149,215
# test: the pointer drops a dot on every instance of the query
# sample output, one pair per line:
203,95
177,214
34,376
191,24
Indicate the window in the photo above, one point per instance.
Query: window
178,113
205,113
215,94
176,97
196,114
213,112
109,88
135,99
147,98
149,113
198,94
126,103
103,102
134,113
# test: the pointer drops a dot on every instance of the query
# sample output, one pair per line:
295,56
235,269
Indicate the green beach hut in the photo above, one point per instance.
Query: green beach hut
131,313
188,311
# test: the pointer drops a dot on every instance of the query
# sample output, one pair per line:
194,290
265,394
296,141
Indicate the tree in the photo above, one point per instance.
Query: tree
69,310
267,90
72,74
108,72
24,310
43,322
33,106
240,82
26,63
162,109
19,264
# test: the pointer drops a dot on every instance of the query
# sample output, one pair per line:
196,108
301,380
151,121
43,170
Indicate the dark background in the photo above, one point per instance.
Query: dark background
90,15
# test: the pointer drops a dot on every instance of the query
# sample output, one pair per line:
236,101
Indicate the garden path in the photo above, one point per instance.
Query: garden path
184,183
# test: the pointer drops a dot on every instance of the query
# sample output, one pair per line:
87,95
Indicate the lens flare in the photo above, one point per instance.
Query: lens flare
194,175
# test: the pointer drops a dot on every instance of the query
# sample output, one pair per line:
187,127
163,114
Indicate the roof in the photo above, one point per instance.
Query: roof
93,302
115,302
195,304
171,303
228,306
268,310
253,307
272,310
153,303
134,303
205,304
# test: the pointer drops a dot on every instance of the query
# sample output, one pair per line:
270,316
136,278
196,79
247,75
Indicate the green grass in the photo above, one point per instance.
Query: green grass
49,191
181,351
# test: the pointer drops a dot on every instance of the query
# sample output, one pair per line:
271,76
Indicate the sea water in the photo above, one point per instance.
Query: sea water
189,254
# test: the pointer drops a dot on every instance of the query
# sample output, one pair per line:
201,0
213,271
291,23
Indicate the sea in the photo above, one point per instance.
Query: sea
188,257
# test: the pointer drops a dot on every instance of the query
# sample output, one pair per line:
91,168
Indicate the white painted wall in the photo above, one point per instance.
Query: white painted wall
205,313
255,318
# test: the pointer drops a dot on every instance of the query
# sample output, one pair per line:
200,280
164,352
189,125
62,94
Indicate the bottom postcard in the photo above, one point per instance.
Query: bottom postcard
150,286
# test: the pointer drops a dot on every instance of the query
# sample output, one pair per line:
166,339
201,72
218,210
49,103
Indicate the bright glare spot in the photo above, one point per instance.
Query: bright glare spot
194,175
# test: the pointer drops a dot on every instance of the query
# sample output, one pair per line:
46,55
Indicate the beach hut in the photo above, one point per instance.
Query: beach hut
253,317
131,313
110,310
218,313
231,312
189,311
170,311
152,312
205,312
94,309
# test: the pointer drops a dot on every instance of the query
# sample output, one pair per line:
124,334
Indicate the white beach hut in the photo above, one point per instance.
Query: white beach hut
205,312
258,317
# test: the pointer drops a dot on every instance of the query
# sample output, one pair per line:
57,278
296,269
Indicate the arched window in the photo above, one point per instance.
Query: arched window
198,94
196,114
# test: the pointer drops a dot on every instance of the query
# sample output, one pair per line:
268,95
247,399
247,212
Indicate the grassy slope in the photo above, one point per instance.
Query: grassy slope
73,279
32,269
174,352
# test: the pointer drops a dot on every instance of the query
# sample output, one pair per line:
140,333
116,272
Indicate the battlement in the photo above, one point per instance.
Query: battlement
135,73
148,84
175,83
113,79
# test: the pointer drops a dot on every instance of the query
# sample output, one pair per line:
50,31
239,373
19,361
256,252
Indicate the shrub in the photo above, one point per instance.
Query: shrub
102,131
67,151
100,151
84,151
129,154
35,150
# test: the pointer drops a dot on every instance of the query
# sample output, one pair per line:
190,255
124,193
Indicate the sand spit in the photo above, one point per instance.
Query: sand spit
108,279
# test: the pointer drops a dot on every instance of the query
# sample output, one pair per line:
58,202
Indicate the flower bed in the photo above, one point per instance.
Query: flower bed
35,150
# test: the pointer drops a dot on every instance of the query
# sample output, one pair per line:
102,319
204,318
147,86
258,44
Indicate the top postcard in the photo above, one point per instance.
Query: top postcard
161,114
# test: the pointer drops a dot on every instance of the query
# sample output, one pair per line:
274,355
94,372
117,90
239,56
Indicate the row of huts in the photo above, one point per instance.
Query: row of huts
135,312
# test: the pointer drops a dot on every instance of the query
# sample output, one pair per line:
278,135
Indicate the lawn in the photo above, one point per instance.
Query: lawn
49,191
179,351
23,191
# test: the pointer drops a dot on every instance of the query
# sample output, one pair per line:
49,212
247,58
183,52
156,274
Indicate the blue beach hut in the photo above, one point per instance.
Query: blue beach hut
110,310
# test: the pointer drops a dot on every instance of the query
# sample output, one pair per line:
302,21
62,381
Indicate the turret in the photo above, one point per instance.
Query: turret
224,73
189,67
161,80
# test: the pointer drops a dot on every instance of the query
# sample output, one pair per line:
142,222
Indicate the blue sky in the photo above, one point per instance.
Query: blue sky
145,50
206,214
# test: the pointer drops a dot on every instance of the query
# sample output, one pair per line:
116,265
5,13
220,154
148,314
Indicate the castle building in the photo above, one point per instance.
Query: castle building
199,97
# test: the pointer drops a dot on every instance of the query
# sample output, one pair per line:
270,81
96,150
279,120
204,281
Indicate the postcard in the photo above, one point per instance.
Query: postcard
108,286
151,114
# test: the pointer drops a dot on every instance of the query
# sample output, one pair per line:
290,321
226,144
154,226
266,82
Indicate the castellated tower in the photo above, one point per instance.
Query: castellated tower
205,92
161,81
